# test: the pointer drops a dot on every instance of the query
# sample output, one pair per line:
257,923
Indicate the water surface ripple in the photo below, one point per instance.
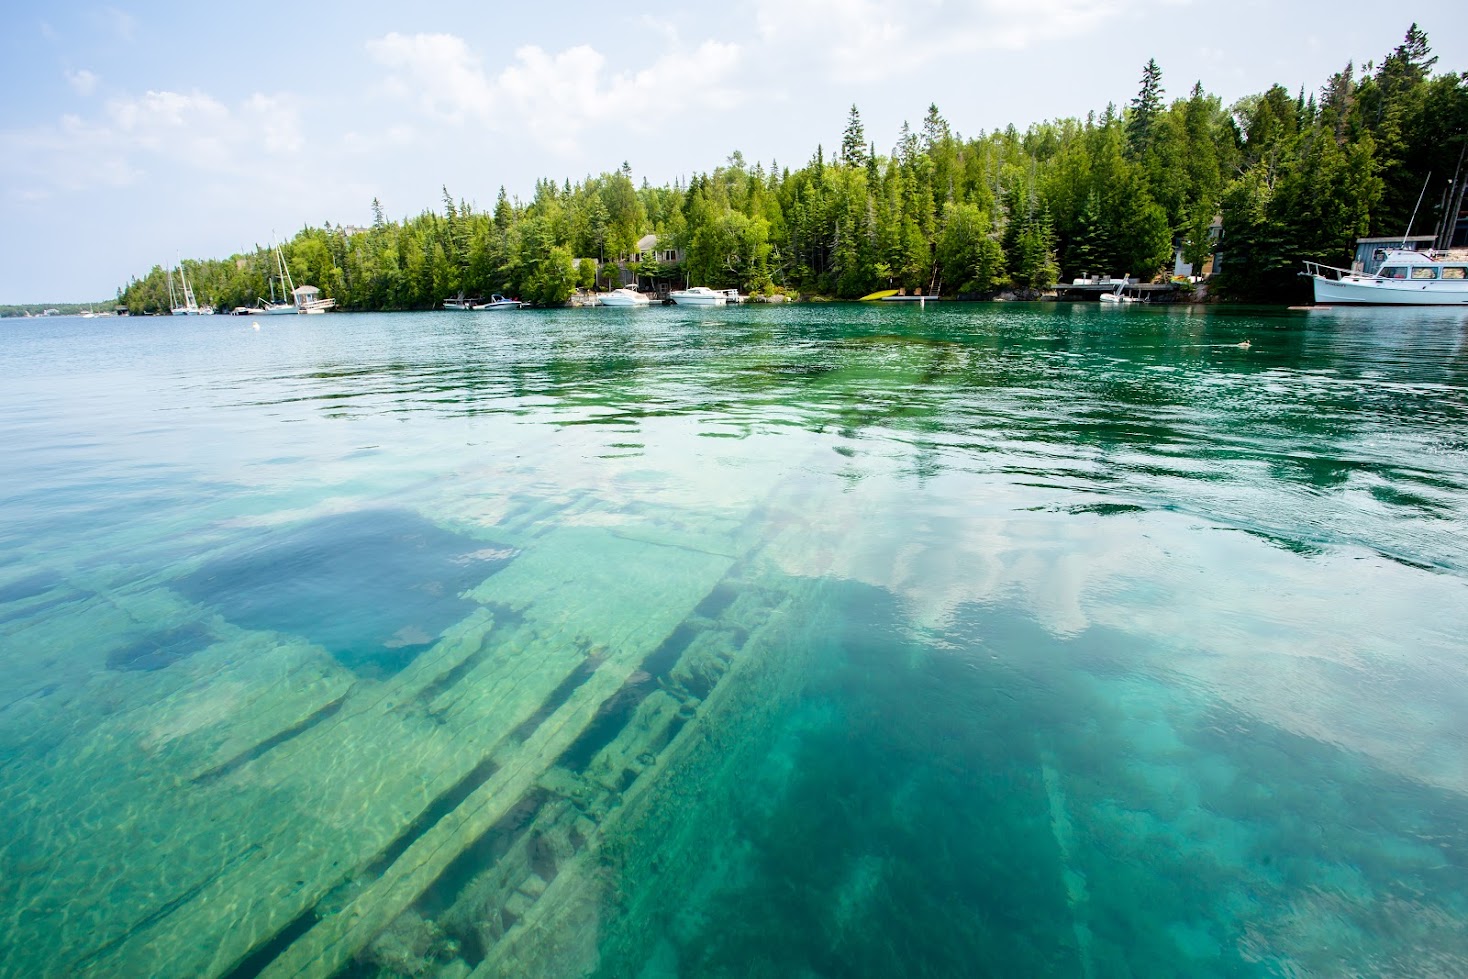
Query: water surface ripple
814,640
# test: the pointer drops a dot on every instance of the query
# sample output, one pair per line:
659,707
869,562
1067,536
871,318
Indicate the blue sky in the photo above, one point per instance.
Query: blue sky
131,133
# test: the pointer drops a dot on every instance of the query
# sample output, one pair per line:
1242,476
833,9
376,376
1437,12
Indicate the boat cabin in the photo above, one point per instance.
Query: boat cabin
1371,253
1404,265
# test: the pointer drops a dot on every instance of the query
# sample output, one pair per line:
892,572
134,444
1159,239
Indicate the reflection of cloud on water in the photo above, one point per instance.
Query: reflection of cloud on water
1341,646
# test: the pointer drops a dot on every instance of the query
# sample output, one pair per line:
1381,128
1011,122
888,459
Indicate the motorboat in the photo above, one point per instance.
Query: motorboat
461,304
497,301
1117,297
623,297
1405,278
698,296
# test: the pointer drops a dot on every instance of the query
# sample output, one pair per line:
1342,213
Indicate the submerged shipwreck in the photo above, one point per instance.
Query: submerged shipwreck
492,800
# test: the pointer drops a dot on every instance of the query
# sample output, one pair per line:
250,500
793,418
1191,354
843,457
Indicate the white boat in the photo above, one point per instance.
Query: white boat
304,299
497,301
460,303
308,300
698,296
1117,297
623,297
184,304
1406,278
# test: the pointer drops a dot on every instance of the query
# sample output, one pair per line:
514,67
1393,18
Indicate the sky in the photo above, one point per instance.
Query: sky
131,134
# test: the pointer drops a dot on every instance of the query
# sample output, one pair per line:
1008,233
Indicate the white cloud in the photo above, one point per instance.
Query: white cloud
131,135
554,97
82,82
865,40
437,71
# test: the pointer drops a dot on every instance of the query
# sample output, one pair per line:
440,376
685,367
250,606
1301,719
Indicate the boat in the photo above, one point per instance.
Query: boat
623,297
460,303
1117,297
304,299
497,301
698,296
183,303
308,300
1405,278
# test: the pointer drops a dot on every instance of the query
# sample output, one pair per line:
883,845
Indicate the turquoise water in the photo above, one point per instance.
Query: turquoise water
834,640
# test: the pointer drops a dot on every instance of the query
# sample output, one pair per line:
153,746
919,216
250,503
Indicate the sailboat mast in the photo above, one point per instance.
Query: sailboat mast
188,293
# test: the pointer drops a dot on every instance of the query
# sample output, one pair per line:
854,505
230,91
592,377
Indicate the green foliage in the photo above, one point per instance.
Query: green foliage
1291,176
1145,109
585,274
854,141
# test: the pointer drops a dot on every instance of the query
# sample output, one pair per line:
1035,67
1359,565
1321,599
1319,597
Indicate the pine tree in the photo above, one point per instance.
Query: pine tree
935,128
854,141
1144,109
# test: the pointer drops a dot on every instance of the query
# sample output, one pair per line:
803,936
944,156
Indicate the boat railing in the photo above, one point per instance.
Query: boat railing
1332,272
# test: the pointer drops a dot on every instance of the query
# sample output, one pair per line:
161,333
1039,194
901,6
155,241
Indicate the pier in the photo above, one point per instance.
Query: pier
1091,289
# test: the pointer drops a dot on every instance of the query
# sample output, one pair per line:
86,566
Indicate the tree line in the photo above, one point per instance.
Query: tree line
1291,176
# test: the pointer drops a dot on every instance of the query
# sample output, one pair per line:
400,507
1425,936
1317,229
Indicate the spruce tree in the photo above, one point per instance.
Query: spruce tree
1144,110
935,128
854,141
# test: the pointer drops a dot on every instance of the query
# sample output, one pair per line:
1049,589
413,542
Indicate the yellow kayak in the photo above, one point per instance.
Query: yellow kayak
879,295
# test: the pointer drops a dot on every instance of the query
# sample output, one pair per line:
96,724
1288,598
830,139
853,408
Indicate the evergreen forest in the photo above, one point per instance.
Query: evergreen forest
1274,179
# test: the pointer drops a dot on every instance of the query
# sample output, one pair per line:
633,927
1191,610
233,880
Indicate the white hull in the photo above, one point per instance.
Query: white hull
1366,291
624,298
698,296
276,309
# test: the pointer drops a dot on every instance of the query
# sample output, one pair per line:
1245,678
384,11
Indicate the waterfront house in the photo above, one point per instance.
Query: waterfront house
647,249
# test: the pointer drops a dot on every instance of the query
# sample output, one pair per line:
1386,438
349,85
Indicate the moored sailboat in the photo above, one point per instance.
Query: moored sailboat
183,303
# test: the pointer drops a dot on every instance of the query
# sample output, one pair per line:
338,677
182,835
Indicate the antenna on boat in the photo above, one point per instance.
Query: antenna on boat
1413,218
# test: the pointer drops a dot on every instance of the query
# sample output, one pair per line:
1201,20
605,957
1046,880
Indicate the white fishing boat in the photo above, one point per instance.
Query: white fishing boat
623,297
1405,278
698,296
497,301
309,300
303,299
